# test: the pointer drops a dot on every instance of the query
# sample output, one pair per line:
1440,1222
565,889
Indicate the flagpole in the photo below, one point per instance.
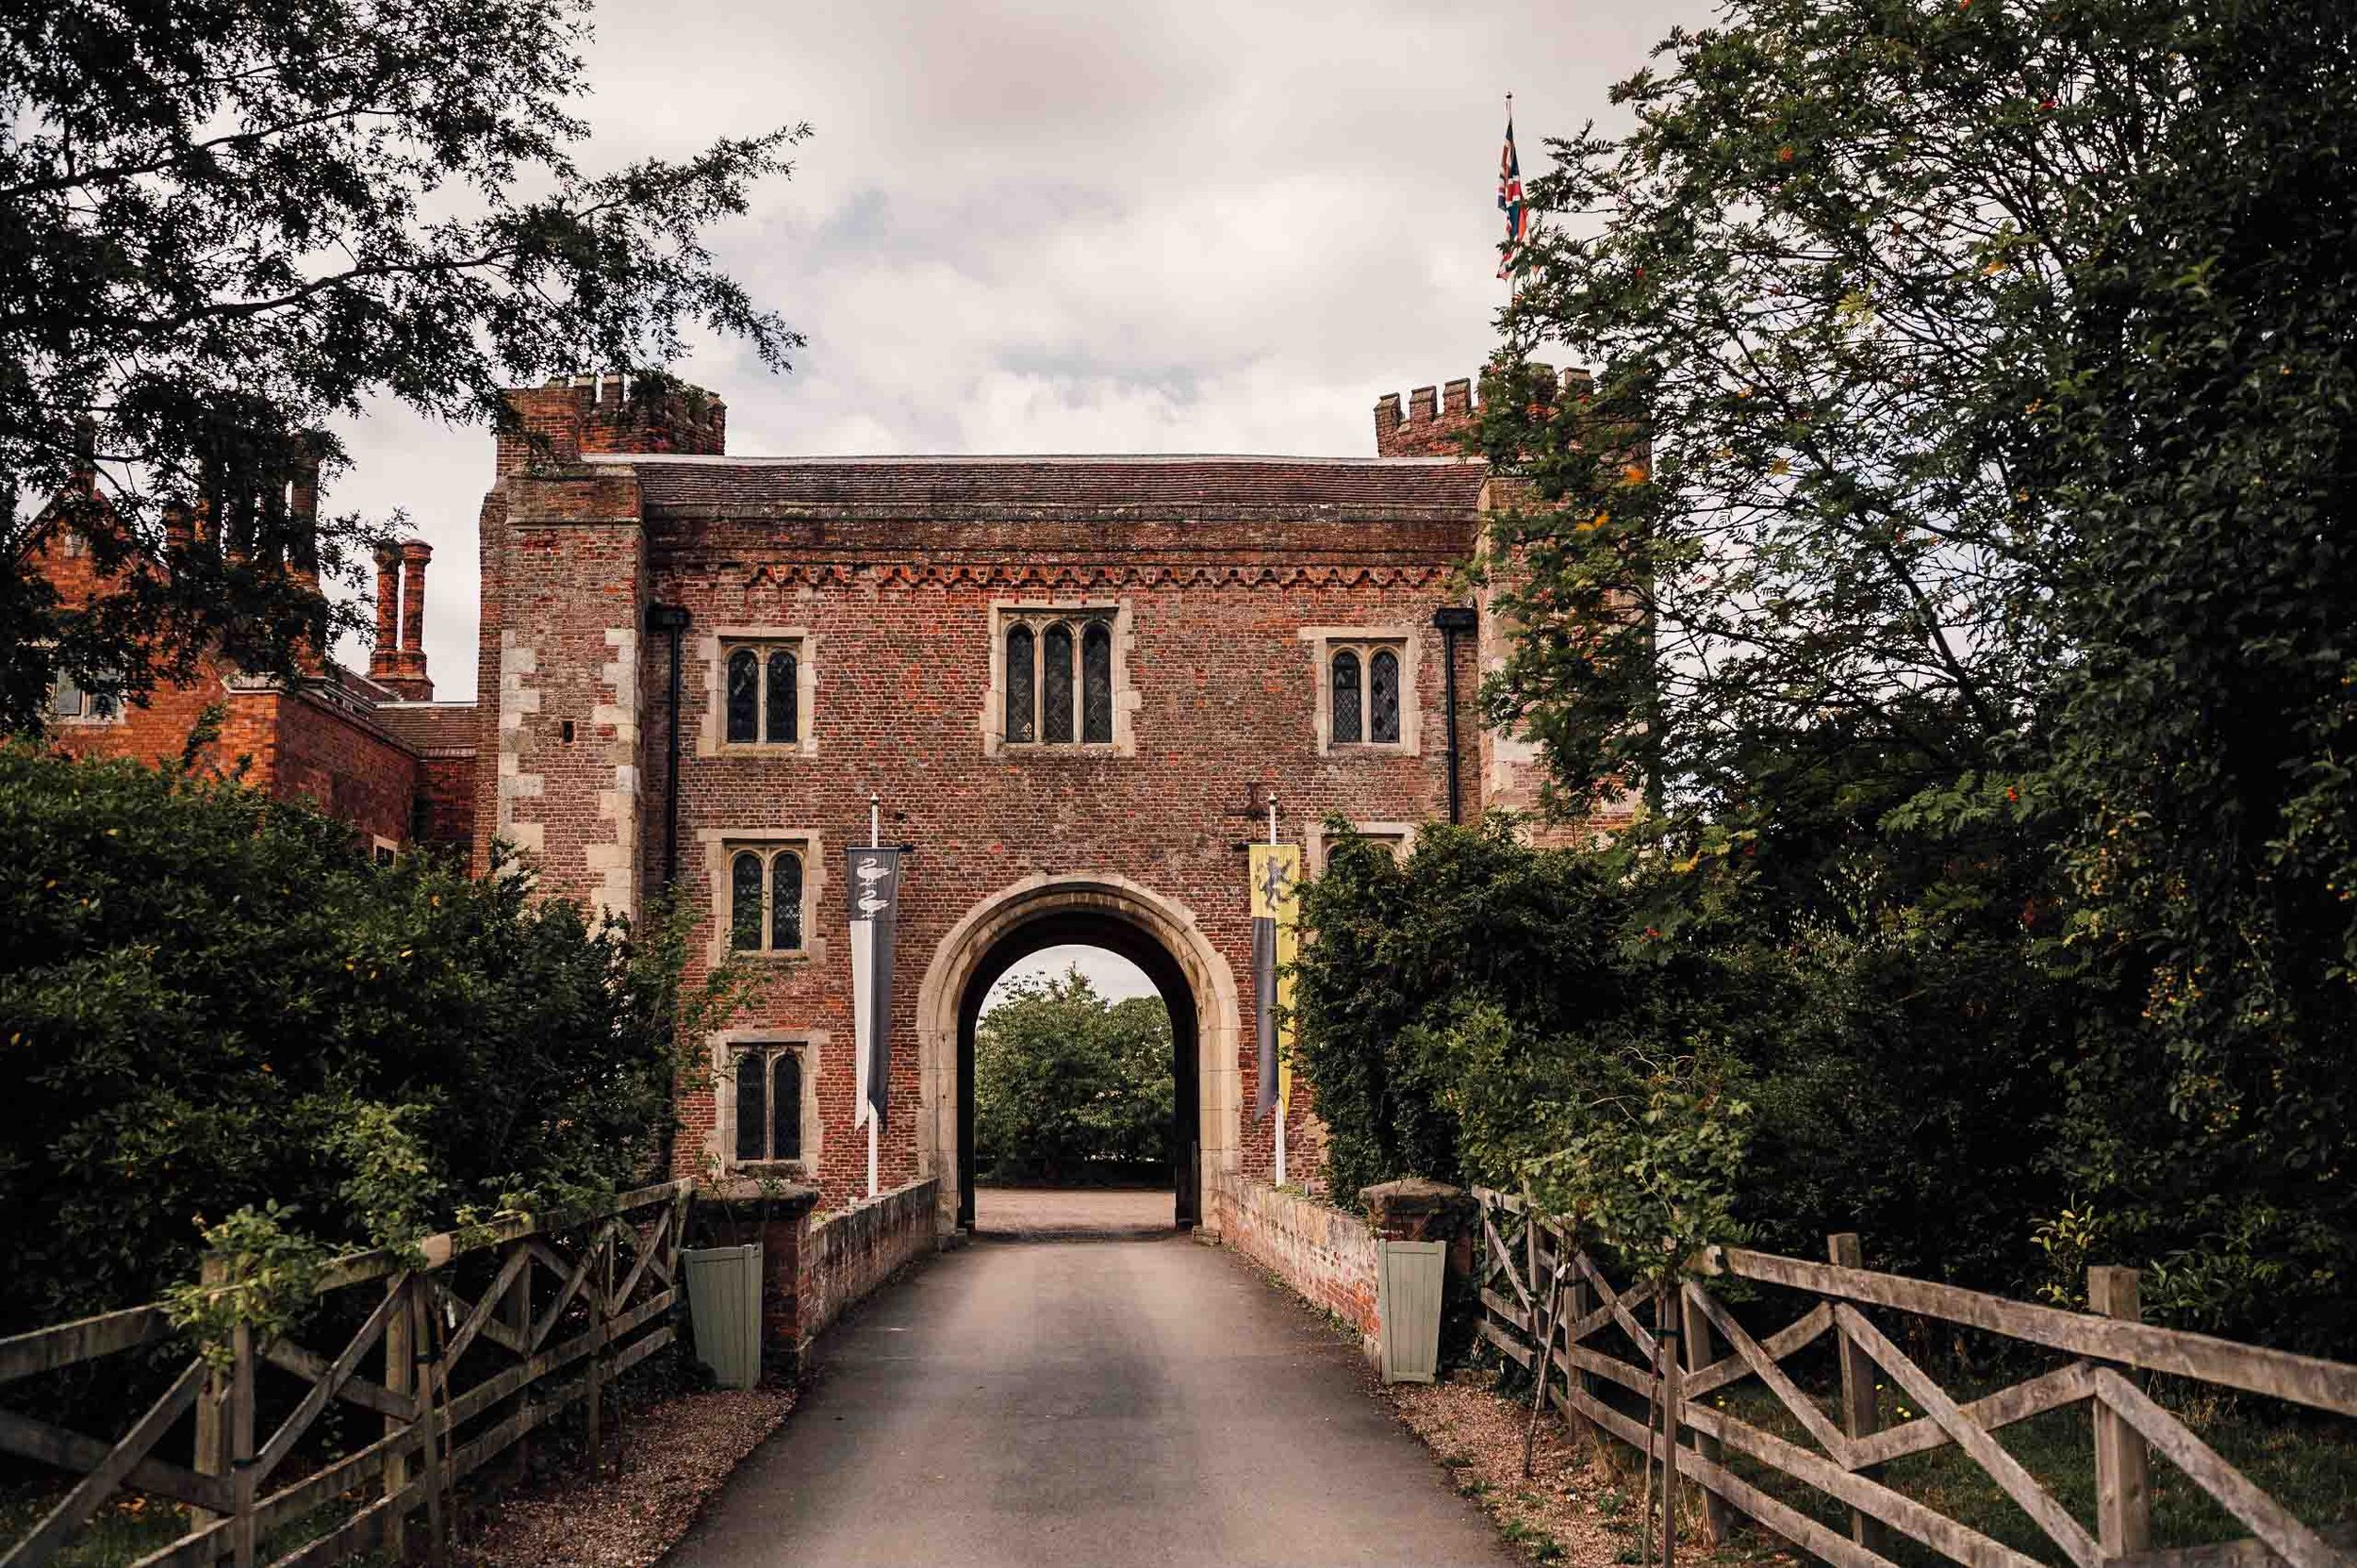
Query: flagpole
1272,1033
875,837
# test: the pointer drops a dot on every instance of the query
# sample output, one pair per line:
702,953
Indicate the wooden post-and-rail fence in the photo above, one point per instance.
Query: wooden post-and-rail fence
559,1308
1586,1320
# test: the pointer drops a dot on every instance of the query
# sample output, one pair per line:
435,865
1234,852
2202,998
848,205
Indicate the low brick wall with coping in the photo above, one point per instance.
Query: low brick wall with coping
1327,1257
813,1265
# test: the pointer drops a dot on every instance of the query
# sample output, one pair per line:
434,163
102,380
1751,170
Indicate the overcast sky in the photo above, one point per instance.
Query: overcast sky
1071,228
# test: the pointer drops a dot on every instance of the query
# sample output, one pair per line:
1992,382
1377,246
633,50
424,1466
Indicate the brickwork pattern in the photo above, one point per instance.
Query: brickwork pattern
1327,1257
1226,703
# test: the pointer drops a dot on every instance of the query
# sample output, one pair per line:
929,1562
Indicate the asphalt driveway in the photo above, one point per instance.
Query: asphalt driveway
1060,1399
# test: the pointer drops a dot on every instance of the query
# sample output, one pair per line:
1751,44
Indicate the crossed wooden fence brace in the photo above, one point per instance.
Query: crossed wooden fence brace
444,1413
2108,1346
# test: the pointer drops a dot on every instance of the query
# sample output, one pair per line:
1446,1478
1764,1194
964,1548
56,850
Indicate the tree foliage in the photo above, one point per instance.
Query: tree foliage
214,1005
1068,1085
1488,1012
1956,527
228,222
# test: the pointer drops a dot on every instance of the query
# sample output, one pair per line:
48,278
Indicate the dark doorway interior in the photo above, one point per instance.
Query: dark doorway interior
1085,928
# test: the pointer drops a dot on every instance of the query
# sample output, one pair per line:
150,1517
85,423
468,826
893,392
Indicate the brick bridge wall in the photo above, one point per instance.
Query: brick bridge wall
1326,1255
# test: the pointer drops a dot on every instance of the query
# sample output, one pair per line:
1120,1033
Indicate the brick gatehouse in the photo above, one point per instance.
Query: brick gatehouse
1073,682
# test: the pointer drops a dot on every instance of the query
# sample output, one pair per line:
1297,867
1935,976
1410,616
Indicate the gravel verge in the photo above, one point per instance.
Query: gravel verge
676,1451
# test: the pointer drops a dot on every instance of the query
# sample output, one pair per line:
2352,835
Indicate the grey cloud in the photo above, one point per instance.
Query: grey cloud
1209,226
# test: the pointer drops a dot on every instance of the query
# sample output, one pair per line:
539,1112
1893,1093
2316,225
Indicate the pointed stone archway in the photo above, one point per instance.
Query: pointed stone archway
1099,909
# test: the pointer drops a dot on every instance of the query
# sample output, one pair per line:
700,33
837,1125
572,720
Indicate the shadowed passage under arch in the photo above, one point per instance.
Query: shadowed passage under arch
1093,927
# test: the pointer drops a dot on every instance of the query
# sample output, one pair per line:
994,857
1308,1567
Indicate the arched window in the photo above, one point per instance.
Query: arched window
1096,684
1019,684
785,1108
1383,697
745,902
1346,706
752,1105
1055,685
785,902
744,697
785,699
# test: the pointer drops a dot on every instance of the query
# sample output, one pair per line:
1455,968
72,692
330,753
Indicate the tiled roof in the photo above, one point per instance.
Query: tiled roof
430,726
1170,487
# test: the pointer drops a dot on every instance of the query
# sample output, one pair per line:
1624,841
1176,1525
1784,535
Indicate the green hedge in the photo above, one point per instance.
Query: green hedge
211,1001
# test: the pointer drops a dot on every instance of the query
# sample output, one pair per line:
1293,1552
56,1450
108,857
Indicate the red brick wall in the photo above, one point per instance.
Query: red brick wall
448,783
1327,1256
1227,687
344,768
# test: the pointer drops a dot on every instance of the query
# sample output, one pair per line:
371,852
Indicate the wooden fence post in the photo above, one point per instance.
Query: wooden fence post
1861,1412
212,1411
515,1313
241,1444
2123,1477
400,1377
1578,1301
1699,1354
600,1287
431,1455
1665,1324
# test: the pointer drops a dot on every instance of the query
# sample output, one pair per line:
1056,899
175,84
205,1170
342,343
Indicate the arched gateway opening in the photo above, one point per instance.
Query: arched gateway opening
1157,934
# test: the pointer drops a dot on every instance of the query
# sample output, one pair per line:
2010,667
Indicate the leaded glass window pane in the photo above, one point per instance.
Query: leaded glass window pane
743,695
1055,700
785,902
1347,725
1097,683
1383,697
65,697
785,1109
1020,682
785,699
745,903
752,1105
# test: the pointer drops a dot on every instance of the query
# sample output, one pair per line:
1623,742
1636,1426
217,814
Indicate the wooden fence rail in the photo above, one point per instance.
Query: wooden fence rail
560,1307
1537,1285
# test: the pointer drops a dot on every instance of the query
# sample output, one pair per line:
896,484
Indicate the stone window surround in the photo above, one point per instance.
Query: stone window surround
713,648
1323,641
97,712
1126,698
1403,833
721,846
720,1144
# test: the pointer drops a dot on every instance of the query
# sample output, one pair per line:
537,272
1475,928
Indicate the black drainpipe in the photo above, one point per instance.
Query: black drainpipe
1452,620
673,619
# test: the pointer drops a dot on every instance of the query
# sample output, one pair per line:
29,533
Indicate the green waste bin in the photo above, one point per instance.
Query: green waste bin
1408,1279
724,1306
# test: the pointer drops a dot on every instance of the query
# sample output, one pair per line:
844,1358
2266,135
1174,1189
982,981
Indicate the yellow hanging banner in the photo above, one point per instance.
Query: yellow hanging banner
1275,920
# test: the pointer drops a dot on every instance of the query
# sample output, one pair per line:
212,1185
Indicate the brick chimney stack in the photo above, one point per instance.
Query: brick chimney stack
398,660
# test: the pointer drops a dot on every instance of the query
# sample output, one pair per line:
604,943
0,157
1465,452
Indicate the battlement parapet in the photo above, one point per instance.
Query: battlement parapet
574,417
1436,420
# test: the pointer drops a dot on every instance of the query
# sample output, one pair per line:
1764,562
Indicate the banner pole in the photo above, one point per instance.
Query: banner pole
1280,1098
875,836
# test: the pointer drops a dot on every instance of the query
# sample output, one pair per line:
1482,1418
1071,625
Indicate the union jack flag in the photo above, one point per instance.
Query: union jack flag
1514,250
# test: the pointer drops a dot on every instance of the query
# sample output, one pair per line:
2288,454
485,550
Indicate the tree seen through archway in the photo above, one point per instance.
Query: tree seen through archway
1072,1085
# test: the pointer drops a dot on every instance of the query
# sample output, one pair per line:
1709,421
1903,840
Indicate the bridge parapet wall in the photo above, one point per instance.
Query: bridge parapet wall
1324,1255
814,1265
